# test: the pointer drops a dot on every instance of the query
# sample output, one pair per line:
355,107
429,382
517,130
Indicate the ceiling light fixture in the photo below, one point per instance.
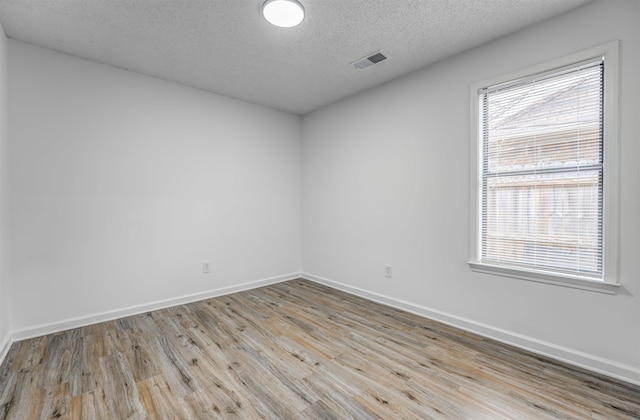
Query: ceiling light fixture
283,13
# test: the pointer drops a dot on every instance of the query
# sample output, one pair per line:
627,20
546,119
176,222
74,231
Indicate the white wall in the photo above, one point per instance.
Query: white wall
386,181
121,184
5,311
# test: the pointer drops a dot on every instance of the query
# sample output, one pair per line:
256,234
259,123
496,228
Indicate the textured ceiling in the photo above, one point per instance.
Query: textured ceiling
226,47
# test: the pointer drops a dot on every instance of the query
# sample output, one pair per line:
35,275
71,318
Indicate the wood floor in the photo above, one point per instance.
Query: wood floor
293,350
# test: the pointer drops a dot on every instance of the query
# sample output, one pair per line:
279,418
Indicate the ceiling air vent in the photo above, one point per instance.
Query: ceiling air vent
369,61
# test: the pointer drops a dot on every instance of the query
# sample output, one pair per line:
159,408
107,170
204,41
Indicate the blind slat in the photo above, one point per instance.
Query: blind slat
542,186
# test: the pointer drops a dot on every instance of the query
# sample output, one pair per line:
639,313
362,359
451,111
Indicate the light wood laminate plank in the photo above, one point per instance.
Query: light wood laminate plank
294,350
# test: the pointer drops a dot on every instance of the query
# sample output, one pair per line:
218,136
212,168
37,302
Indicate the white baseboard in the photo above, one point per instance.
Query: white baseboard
53,327
5,345
574,357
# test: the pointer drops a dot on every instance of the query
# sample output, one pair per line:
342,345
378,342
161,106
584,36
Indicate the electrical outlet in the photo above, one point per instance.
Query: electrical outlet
388,271
206,267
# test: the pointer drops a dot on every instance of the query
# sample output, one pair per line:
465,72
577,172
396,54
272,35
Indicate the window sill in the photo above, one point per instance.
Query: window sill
575,283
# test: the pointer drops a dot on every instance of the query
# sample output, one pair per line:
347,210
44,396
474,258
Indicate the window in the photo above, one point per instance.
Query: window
545,172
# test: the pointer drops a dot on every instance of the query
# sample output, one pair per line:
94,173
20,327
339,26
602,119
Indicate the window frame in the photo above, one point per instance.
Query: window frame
611,211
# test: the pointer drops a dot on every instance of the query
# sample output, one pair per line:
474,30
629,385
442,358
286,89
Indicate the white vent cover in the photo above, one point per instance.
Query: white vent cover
369,61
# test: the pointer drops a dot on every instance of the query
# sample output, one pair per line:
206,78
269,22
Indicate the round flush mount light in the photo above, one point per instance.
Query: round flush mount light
283,13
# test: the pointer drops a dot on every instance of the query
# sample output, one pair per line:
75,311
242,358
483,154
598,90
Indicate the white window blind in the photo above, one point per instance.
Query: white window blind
541,162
